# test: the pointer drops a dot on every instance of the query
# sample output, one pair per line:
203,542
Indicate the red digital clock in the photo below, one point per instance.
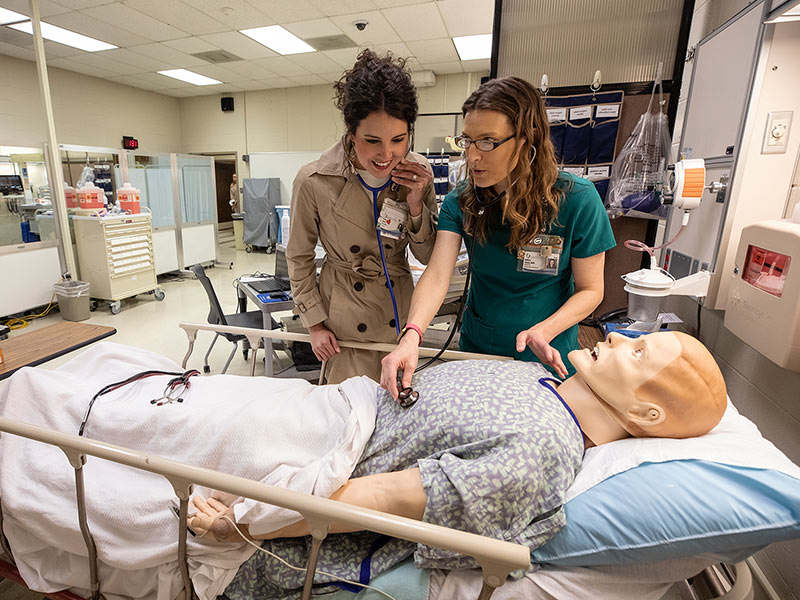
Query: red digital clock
130,143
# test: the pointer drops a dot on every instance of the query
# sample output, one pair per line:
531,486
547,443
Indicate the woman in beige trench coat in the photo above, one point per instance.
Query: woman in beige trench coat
351,300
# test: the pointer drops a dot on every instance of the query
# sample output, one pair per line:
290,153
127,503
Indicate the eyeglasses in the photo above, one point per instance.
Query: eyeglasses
483,145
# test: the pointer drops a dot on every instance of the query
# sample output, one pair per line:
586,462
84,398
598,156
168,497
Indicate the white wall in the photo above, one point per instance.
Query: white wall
291,119
87,110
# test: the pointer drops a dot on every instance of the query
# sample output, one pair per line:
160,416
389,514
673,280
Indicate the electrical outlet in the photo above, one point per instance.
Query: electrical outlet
777,132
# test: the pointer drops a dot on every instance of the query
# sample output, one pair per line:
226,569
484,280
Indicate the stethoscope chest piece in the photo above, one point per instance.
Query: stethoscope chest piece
407,397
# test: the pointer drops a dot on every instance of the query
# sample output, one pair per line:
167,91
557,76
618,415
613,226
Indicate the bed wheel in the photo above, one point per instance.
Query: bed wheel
159,293
248,248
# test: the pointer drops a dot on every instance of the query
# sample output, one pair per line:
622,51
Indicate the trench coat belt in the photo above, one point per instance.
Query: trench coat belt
368,267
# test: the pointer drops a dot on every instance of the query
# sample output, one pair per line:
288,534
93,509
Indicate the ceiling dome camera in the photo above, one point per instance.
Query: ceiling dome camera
361,24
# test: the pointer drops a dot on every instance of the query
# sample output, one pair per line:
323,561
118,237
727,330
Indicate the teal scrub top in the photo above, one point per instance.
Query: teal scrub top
503,301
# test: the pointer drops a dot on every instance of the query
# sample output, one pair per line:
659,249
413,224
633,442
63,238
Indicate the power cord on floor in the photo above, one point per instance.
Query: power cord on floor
21,322
303,569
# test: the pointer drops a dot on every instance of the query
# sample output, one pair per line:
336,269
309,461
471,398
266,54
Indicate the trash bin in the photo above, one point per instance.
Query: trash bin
238,230
73,300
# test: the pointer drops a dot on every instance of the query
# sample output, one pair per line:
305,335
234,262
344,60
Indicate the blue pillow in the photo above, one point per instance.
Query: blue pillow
680,508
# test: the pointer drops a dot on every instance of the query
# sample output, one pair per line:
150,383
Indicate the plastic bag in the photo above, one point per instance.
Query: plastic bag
639,170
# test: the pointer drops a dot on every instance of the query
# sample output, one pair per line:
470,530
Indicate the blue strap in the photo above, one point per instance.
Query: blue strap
545,382
375,191
365,571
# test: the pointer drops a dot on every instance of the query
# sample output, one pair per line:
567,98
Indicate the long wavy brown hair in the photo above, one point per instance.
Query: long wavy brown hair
533,195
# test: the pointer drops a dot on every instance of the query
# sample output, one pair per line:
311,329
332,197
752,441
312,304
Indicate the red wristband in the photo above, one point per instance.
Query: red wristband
412,327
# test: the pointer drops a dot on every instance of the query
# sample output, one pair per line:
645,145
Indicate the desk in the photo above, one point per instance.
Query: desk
39,346
244,291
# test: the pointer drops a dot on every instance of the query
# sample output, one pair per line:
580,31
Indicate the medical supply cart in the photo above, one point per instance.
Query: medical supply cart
115,255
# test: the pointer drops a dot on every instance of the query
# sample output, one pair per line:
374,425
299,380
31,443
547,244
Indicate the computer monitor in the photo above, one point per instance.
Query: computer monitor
10,184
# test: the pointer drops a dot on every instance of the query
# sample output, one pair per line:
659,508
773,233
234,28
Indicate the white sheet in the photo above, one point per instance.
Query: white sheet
734,441
221,425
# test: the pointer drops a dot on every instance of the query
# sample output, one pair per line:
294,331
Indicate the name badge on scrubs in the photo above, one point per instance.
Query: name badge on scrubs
541,256
392,222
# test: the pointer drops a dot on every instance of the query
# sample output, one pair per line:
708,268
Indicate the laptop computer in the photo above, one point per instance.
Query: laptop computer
270,284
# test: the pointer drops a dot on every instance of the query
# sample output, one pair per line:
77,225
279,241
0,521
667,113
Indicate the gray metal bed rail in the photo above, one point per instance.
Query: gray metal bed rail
496,558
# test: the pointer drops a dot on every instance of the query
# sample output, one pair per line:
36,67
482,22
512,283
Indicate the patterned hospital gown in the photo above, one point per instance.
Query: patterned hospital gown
496,451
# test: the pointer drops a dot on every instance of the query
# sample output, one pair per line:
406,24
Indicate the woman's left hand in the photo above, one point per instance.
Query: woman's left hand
539,343
209,520
416,178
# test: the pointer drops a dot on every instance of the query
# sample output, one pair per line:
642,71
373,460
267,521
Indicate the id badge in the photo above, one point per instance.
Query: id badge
541,256
392,222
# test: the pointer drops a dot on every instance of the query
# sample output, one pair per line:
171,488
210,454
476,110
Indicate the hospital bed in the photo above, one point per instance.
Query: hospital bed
497,558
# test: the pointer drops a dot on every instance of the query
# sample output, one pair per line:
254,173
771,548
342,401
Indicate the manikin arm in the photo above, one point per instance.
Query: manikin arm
399,493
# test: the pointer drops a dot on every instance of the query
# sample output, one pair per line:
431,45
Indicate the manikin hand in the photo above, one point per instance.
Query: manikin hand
208,520
405,358
323,342
416,178
534,339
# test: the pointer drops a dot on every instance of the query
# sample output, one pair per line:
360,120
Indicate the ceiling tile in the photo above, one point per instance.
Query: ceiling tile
191,45
236,14
282,66
104,62
473,66
216,72
315,62
397,49
313,28
57,50
434,51
246,69
467,17
444,68
249,85
331,77
134,81
278,82
418,22
46,7
132,20
169,55
16,38
309,80
179,15
345,7
378,31
394,3
156,79
71,65
16,51
239,44
79,4
180,92
87,25
345,57
131,57
286,11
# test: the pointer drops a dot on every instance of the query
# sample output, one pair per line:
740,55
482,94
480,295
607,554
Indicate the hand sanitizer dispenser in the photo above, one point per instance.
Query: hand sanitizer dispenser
764,298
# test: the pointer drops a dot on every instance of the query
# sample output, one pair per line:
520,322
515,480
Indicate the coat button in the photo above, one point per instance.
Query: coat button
390,281
392,323
362,327
355,249
387,246
358,286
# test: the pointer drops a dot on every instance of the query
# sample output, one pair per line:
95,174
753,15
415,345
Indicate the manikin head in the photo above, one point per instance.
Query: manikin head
664,384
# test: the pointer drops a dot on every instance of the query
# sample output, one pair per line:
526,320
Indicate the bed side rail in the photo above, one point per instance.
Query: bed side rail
254,335
496,557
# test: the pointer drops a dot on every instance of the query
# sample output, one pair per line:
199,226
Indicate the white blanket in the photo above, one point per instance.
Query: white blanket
286,433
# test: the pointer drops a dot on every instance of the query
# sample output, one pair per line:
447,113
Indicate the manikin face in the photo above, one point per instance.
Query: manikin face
490,168
618,366
380,142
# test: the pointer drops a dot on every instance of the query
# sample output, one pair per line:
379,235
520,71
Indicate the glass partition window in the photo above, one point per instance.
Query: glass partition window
152,176
431,130
24,197
196,185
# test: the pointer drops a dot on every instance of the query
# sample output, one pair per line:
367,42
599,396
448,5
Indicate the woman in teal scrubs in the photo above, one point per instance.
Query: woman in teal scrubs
537,239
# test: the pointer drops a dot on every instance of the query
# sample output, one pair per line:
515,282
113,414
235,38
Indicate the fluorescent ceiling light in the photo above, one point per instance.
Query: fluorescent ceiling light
9,16
66,37
474,47
278,39
189,77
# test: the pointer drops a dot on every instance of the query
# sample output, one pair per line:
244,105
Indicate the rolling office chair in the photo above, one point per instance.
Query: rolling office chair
252,319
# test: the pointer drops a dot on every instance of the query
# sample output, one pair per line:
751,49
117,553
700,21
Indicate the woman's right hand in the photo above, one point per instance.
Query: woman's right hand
323,342
404,358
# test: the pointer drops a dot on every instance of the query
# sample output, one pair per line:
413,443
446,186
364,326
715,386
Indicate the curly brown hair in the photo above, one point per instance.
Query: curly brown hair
533,195
376,83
